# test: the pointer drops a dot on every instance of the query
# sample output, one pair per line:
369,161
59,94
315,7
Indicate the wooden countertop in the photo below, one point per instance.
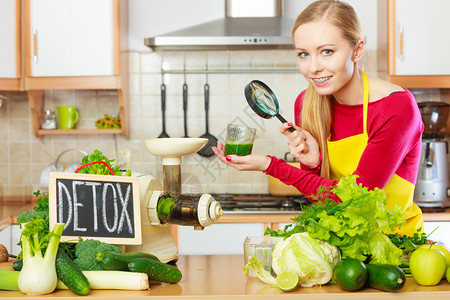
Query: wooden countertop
229,217
221,277
9,210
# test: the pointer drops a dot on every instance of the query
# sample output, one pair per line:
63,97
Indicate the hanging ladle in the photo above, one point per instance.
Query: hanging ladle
263,101
206,151
163,109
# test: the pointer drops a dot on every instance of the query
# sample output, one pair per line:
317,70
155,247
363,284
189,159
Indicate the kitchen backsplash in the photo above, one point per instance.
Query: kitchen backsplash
24,157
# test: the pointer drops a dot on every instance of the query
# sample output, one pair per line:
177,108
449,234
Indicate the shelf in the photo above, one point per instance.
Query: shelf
36,102
80,82
421,82
42,132
10,84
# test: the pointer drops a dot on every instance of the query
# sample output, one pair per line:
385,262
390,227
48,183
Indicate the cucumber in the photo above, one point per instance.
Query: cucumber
388,278
70,274
119,261
155,270
17,265
350,274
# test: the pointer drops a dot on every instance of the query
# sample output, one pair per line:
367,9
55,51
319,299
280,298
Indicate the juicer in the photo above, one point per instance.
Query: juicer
432,188
162,205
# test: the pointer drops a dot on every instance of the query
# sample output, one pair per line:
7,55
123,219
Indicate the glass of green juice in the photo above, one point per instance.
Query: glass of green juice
239,140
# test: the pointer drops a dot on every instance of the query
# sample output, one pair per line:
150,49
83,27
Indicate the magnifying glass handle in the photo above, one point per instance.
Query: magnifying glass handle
283,120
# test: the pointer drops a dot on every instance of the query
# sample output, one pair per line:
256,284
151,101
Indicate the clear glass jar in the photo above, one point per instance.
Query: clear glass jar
48,120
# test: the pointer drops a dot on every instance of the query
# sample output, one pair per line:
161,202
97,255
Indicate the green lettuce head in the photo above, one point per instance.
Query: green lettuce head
313,260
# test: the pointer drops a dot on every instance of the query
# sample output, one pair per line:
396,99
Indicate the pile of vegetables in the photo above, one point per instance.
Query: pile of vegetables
312,260
98,164
357,225
357,228
45,263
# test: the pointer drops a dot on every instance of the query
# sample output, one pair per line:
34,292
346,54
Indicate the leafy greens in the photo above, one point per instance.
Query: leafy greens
357,225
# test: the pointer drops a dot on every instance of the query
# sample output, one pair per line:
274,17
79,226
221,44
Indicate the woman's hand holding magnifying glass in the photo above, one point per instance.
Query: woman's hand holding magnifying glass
302,145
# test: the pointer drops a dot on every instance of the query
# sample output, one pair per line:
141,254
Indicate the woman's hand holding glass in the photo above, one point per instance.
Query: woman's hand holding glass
302,145
252,162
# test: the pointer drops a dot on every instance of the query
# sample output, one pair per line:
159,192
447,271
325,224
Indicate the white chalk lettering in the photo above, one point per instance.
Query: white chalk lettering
94,202
92,207
124,213
76,204
104,212
62,189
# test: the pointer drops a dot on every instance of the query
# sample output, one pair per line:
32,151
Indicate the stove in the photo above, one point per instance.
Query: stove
260,203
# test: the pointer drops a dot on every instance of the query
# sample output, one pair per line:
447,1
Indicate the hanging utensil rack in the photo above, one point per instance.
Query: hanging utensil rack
231,71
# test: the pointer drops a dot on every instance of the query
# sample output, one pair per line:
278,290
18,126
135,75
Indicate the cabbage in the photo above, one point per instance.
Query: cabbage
313,260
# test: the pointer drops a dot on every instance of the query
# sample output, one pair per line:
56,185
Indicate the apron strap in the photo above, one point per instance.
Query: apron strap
365,101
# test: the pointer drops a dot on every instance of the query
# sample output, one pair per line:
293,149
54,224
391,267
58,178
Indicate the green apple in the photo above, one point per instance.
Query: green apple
427,266
442,248
447,274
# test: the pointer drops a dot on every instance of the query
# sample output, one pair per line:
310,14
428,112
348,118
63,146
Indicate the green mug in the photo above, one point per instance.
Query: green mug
67,117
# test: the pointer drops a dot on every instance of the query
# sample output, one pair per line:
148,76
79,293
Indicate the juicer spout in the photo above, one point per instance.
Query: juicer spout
185,210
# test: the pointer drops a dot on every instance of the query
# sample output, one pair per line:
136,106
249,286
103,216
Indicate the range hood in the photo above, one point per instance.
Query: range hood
243,28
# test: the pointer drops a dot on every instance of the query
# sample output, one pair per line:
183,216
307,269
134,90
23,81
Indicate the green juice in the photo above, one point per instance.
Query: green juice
238,149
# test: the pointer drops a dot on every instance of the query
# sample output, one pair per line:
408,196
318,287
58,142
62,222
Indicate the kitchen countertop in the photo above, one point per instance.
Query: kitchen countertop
10,208
221,277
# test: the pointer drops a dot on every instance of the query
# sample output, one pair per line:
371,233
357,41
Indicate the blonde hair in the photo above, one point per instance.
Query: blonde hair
316,111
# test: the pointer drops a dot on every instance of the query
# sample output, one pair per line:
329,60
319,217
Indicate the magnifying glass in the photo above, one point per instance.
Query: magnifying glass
263,101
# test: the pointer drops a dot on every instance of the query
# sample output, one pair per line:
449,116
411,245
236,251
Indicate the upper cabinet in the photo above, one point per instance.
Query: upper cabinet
73,44
10,46
67,44
414,38
71,38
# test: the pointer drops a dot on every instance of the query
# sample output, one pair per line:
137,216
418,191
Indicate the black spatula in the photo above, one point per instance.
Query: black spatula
163,109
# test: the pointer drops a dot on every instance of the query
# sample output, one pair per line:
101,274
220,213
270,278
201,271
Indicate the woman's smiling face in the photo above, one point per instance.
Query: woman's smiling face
325,56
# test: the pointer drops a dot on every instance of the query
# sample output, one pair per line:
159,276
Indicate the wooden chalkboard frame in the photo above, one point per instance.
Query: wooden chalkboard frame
102,179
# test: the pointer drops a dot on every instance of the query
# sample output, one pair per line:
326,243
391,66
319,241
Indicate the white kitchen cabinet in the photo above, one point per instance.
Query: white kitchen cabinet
216,238
75,44
422,37
5,237
9,237
441,234
413,38
15,238
10,63
71,38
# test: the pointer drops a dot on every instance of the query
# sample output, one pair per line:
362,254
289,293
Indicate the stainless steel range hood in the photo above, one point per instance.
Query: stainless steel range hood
243,28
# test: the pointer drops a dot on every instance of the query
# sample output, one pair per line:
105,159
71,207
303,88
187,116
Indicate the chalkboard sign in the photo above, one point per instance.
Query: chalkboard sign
101,207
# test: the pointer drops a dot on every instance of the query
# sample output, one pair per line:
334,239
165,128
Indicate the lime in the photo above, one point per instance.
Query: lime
350,274
287,281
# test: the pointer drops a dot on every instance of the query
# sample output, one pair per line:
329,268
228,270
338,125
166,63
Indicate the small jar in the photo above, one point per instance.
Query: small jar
48,120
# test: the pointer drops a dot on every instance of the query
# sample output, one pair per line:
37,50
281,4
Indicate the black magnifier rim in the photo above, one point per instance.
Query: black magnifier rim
255,107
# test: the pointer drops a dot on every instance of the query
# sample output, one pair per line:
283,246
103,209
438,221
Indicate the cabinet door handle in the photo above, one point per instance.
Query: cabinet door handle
35,38
401,33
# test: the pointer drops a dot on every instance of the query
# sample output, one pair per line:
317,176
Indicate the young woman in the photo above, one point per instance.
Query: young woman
346,121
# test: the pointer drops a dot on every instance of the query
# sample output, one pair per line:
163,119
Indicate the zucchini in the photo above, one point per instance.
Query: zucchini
17,265
388,278
119,261
155,270
70,274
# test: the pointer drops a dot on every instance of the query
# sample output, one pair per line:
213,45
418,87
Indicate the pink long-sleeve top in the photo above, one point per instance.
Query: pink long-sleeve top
394,127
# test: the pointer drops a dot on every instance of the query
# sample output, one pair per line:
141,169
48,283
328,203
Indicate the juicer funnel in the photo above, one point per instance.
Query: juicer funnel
171,149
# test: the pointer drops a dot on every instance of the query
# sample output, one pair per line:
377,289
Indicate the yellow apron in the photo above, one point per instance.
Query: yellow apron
344,156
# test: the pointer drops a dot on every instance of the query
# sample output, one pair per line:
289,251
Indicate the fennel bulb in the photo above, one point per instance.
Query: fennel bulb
38,274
